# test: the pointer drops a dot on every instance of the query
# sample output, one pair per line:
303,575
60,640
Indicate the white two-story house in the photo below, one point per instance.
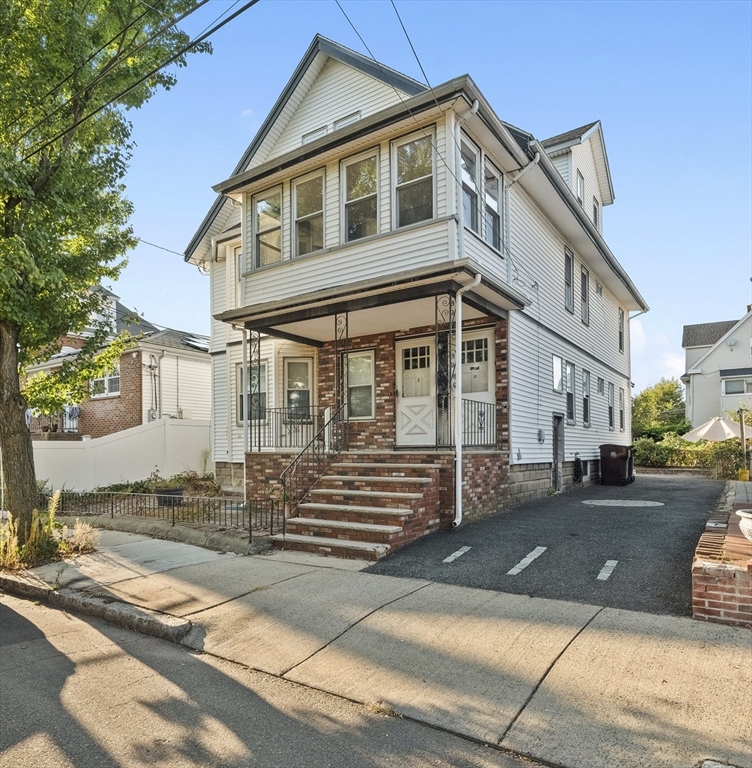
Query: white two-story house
416,319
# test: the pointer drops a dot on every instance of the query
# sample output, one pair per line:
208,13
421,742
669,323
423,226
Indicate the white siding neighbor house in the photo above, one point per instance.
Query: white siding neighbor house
416,319
718,366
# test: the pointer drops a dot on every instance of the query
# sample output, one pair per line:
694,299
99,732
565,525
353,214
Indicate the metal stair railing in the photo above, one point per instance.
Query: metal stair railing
309,466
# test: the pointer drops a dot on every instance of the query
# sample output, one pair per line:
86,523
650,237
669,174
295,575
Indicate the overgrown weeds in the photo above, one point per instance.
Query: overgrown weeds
46,539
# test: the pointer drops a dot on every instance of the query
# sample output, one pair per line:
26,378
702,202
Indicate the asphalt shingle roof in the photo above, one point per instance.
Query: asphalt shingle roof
562,138
705,334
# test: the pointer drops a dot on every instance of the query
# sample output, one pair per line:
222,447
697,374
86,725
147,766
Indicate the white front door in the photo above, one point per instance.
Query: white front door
416,392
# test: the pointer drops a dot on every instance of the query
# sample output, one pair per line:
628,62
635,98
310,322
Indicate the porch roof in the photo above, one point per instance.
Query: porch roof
371,304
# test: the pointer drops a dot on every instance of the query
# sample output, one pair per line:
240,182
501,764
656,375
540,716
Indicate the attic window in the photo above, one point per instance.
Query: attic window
313,135
349,120
580,188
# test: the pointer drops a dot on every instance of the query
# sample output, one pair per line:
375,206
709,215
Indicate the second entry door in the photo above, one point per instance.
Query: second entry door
416,392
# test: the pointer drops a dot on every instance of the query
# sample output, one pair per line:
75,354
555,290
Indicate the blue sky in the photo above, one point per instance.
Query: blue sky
671,82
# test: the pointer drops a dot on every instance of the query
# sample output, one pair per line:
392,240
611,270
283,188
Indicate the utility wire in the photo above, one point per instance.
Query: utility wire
161,247
127,90
108,69
81,66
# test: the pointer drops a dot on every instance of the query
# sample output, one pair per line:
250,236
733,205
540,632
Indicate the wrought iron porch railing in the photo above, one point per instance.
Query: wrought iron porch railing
57,422
307,468
478,423
284,427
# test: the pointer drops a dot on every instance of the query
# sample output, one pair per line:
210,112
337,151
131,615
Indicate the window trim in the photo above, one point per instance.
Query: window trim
560,360
475,212
294,184
239,393
488,166
254,225
743,382
429,132
584,294
311,394
114,374
344,163
570,367
371,353
569,284
586,399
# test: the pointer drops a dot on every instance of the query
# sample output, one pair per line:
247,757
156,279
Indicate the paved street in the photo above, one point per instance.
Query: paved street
106,697
570,547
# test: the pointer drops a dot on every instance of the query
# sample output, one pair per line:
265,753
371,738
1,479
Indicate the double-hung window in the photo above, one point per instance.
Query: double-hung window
253,394
308,196
610,405
621,329
622,419
470,161
107,385
568,281
580,188
586,398
298,387
413,173
361,402
267,227
733,387
569,380
596,213
492,184
585,296
360,184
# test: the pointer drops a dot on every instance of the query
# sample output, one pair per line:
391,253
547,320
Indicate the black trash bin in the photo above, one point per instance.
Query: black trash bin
617,464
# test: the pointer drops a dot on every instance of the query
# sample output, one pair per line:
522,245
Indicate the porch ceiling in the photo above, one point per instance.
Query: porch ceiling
406,302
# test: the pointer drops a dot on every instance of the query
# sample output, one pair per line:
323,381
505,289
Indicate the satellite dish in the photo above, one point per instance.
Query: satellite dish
731,342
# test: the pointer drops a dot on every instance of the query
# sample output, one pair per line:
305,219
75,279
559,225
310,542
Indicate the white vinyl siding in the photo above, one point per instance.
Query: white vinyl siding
533,401
583,161
562,163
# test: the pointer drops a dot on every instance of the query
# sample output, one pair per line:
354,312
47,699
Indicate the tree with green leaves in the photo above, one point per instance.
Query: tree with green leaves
69,71
659,409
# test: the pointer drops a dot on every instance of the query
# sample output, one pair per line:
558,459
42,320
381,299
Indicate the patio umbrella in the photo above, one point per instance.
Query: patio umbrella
715,430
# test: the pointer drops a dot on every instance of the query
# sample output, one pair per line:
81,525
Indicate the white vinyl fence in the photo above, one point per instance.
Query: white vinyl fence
168,445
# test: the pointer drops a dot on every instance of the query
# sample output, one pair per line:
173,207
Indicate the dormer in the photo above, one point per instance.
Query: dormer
580,157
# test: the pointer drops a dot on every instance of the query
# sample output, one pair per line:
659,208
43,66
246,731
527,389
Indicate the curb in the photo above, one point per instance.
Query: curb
125,615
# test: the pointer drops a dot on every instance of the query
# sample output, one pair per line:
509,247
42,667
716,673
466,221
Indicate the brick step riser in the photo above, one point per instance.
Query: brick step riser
344,534
376,473
318,549
372,484
354,517
357,500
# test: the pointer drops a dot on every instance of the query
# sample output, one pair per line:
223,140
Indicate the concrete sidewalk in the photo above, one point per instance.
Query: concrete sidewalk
572,684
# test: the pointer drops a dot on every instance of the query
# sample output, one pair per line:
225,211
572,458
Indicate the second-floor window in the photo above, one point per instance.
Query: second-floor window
585,296
360,182
492,183
622,420
107,385
568,281
558,373
308,194
469,161
413,180
268,228
621,329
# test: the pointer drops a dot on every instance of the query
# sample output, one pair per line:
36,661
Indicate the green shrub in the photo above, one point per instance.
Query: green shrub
724,459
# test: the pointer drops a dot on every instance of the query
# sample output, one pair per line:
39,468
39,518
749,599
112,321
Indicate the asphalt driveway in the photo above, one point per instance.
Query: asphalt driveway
626,547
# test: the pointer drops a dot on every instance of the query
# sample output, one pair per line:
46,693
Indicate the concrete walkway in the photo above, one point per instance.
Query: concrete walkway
575,685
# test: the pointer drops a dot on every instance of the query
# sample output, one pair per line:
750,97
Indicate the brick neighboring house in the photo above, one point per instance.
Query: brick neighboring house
367,216
166,373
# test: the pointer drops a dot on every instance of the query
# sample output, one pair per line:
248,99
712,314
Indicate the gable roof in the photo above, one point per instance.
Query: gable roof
695,367
592,132
705,334
332,50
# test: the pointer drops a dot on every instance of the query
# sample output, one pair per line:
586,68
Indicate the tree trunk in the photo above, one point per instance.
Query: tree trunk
15,438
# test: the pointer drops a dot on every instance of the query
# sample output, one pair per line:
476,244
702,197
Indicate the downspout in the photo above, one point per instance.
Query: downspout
458,400
246,407
458,318
159,376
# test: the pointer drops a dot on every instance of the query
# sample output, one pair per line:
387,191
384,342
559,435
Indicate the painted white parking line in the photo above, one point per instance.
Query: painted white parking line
607,569
537,552
456,554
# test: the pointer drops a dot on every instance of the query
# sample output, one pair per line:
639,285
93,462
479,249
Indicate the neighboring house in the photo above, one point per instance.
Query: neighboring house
165,373
718,368
365,215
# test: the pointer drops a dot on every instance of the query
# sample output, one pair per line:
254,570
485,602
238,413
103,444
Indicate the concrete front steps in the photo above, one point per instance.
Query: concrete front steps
365,509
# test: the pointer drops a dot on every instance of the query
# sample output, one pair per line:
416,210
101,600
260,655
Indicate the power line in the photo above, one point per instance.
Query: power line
172,58
108,70
161,247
